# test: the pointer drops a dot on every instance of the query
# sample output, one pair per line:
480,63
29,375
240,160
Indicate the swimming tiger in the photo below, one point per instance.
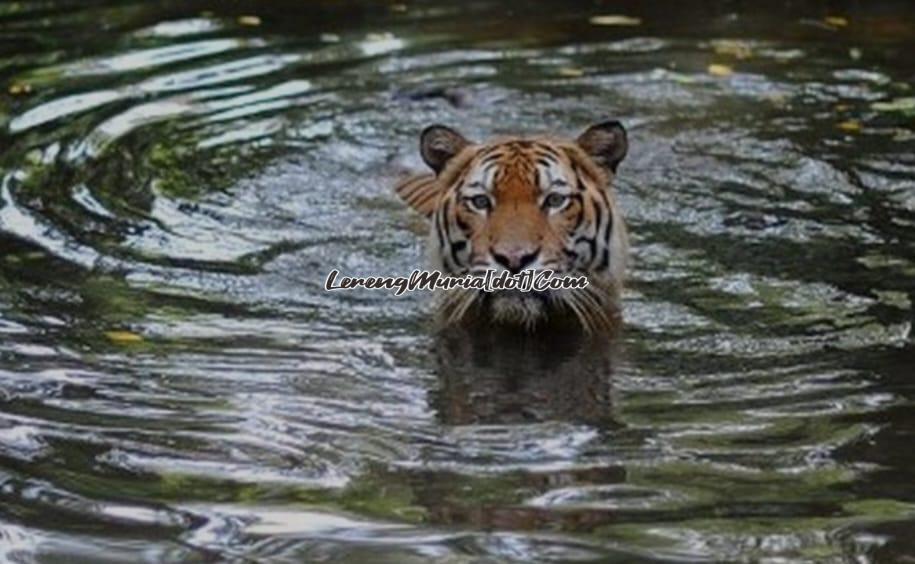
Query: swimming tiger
517,203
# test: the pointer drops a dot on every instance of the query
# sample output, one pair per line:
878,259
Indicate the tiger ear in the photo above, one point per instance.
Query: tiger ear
438,144
606,143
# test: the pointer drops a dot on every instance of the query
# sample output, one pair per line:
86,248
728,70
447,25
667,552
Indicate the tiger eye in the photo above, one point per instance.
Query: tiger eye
555,200
480,202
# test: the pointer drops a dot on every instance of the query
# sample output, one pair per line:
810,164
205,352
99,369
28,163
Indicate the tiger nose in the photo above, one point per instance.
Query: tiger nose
515,259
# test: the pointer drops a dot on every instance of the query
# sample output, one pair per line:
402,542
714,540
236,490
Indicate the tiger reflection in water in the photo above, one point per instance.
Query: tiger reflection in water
493,375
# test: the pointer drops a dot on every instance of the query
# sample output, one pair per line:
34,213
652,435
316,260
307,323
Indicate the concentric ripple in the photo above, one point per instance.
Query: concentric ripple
177,179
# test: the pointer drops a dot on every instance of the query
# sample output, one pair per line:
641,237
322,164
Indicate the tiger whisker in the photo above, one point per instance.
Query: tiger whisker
570,300
594,302
605,307
469,299
456,303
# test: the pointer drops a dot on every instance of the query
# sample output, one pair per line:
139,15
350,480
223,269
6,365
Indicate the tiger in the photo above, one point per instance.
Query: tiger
525,202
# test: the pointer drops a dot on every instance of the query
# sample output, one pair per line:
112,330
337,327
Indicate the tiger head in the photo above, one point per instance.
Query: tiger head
515,203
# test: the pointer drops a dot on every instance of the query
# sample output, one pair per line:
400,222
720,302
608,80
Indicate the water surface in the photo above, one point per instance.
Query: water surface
179,177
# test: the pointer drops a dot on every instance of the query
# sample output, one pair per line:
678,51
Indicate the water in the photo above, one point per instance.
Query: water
179,177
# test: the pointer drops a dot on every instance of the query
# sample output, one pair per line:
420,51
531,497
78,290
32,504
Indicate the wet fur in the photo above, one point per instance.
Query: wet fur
587,237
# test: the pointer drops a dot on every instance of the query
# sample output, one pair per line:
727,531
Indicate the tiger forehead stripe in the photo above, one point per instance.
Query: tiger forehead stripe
482,174
526,157
493,152
546,152
545,162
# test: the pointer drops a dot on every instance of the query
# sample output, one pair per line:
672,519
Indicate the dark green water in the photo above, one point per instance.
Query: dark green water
175,172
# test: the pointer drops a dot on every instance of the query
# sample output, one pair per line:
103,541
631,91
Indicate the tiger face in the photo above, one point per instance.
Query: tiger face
534,203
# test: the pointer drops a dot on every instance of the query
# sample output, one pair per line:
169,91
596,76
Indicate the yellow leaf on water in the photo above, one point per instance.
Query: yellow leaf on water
851,126
905,105
778,99
249,20
836,21
733,48
615,19
571,72
385,36
123,337
720,70
19,88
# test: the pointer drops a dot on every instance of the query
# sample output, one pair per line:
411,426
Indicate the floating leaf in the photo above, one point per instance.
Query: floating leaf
19,88
851,126
571,72
384,36
615,19
664,74
836,21
781,55
249,20
778,99
733,48
681,78
720,70
123,337
906,105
